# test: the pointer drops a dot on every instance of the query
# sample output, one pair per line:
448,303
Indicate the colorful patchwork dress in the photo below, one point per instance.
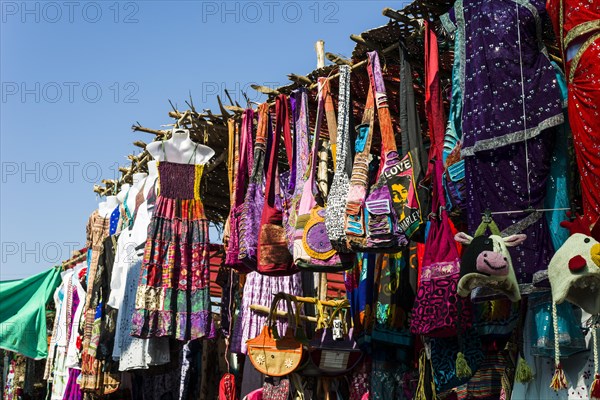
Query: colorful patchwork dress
173,296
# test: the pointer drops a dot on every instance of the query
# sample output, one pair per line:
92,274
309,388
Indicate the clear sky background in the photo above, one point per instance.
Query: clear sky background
76,75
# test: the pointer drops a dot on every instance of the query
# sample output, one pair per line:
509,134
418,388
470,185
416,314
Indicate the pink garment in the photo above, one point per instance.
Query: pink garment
256,395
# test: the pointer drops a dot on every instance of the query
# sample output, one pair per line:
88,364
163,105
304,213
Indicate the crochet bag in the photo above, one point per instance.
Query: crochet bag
273,355
276,391
232,256
437,305
274,257
252,206
313,250
375,222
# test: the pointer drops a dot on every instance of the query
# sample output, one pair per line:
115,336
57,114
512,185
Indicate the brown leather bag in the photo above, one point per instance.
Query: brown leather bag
273,355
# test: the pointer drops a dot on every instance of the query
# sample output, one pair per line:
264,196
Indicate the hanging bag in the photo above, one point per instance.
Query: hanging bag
374,222
252,207
274,257
437,306
313,251
338,193
271,354
333,350
299,107
232,257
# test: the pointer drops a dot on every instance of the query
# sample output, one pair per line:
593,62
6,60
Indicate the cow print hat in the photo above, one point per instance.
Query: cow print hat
486,262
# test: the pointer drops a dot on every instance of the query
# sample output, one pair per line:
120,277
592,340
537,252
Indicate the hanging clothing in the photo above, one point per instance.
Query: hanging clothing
173,297
510,97
23,313
578,32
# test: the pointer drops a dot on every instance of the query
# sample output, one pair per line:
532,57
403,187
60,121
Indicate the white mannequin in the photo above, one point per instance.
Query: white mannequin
107,207
138,180
180,149
123,192
152,176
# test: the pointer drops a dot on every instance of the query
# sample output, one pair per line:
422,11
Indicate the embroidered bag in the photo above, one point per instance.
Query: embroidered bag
252,206
436,309
273,355
232,257
374,223
313,250
338,193
274,257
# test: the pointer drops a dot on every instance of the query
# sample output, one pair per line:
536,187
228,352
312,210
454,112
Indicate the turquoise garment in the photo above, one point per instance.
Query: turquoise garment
23,313
454,129
557,195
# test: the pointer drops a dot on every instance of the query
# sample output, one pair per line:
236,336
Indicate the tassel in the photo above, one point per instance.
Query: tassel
559,380
420,393
523,373
462,367
595,388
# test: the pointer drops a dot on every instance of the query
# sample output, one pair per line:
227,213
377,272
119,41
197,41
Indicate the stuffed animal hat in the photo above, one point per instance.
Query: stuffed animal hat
574,271
486,262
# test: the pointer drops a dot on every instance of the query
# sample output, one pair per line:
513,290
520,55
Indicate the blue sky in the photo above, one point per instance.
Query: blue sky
76,75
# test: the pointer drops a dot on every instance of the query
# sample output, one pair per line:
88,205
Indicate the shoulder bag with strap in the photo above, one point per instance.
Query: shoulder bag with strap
274,257
437,306
313,250
374,222
232,257
338,193
251,209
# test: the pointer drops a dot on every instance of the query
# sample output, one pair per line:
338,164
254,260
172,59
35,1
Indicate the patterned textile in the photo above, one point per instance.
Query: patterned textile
578,31
503,64
360,382
486,382
391,378
73,391
173,297
260,289
359,282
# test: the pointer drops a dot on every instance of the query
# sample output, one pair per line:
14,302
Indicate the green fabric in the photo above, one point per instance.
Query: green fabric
23,313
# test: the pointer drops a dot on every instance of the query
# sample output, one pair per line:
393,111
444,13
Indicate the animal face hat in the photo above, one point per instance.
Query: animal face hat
486,262
574,271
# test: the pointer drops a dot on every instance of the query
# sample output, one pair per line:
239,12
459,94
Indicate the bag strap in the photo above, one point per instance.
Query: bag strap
360,166
299,101
271,320
330,117
281,127
312,164
260,143
232,160
487,223
386,129
343,128
245,154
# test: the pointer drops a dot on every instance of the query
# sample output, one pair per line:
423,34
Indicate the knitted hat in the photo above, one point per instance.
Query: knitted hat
486,262
574,271
574,274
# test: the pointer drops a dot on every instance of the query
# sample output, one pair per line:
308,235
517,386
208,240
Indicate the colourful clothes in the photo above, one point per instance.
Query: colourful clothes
173,297
510,97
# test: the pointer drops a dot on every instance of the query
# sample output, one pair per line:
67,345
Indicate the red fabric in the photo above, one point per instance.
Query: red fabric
434,107
575,12
584,101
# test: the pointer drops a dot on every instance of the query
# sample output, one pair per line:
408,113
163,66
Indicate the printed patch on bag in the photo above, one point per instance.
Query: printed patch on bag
334,359
401,183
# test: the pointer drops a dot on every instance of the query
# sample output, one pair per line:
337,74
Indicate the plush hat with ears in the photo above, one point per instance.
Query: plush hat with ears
486,262
574,274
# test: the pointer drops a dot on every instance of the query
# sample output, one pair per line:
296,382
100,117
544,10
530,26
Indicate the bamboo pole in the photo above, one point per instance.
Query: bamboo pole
281,314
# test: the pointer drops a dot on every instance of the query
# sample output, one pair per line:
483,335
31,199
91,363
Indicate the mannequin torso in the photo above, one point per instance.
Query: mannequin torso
180,149
151,179
108,206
